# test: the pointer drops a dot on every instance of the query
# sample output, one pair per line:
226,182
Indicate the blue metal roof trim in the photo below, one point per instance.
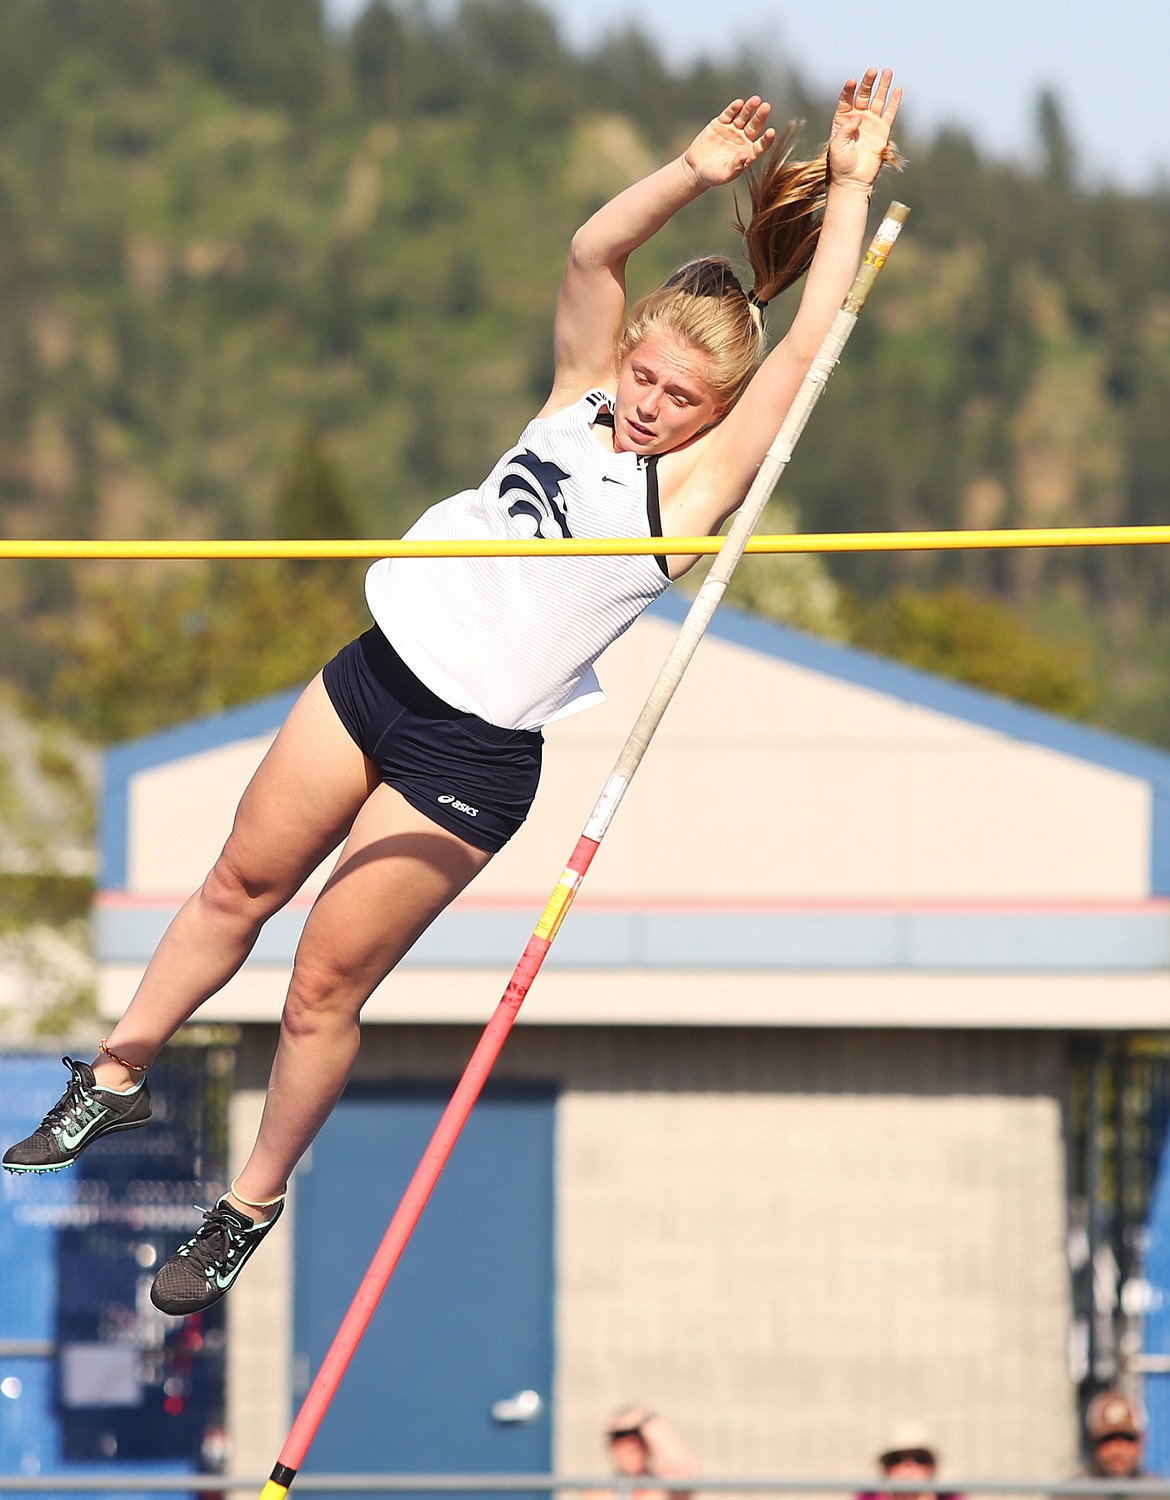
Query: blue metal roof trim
122,762
912,685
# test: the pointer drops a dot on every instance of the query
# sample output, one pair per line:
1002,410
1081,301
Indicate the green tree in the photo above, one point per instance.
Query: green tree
1058,154
313,501
792,588
184,262
963,635
200,642
375,58
268,52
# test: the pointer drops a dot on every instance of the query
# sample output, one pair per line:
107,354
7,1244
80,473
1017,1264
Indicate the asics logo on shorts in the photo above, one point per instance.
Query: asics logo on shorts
449,801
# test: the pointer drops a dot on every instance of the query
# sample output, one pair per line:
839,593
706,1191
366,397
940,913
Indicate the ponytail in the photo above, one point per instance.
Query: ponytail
704,305
788,202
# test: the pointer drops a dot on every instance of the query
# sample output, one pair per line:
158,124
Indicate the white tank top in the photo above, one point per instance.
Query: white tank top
513,639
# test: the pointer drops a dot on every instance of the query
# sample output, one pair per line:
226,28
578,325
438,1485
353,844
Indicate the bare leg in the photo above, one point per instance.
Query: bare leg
297,807
398,870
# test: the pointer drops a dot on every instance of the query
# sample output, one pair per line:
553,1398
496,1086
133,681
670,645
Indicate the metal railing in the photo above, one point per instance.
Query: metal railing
619,1486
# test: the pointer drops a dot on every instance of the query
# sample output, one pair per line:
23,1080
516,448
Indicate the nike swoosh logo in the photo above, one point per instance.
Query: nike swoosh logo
609,479
223,1282
70,1140
224,1279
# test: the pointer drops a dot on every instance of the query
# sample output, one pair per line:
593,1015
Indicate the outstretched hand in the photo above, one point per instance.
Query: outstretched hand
731,142
859,141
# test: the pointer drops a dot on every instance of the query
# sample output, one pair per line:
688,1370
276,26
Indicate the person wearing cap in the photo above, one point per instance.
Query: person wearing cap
642,1444
1114,1428
910,1454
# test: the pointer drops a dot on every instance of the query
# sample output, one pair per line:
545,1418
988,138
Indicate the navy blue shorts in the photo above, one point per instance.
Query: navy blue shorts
467,775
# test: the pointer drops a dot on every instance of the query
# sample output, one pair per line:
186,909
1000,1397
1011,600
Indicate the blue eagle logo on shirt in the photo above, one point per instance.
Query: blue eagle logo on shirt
540,483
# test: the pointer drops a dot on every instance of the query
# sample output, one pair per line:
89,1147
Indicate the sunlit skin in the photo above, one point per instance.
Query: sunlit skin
397,870
642,1446
711,456
663,398
1117,1455
628,1451
907,1467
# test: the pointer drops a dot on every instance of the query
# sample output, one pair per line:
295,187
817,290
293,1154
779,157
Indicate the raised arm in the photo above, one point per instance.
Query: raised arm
593,293
669,1456
859,144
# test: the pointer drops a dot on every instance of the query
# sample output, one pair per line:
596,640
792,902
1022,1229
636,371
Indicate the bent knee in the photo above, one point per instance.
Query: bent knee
230,890
320,996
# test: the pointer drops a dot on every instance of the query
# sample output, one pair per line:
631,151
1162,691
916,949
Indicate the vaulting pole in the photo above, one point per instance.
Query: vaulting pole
475,1075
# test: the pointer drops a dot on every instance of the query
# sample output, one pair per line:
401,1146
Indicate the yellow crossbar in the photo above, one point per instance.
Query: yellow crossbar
850,541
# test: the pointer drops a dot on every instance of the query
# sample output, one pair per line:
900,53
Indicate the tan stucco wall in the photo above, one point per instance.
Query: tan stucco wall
787,1242
259,1329
743,997
765,780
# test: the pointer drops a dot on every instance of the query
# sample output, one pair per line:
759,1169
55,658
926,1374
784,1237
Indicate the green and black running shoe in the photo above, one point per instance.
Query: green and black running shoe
83,1113
204,1268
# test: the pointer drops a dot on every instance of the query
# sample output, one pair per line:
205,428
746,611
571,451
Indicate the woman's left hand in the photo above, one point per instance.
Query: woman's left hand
859,141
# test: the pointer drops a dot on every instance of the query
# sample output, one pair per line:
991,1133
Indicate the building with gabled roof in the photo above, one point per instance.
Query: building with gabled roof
781,1143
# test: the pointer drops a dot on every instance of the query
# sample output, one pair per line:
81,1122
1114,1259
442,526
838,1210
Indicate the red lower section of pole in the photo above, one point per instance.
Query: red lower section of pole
427,1173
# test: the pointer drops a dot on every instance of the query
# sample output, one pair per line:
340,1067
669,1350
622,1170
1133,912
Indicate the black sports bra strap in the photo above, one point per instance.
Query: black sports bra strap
654,509
604,418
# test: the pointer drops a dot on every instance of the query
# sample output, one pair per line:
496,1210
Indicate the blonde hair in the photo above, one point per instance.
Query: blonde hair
704,305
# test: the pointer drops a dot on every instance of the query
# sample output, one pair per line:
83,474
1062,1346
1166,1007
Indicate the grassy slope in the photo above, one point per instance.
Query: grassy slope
192,282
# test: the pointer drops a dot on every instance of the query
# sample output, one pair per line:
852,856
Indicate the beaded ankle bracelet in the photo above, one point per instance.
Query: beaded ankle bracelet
134,1067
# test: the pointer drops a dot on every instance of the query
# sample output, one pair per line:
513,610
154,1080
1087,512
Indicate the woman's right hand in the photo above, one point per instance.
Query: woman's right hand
735,139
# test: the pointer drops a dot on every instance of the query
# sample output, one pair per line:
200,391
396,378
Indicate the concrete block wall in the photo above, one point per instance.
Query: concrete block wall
786,1241
259,1322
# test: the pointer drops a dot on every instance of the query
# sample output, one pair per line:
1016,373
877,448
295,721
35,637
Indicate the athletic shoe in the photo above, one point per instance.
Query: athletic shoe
83,1113
202,1270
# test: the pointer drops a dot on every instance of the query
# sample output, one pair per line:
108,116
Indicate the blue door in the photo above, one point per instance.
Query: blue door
465,1326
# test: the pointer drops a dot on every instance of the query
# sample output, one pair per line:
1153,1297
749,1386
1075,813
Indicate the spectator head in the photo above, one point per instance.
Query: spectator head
1113,1424
627,1446
910,1454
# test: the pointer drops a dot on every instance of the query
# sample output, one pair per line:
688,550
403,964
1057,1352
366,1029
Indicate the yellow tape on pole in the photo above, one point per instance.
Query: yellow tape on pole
847,541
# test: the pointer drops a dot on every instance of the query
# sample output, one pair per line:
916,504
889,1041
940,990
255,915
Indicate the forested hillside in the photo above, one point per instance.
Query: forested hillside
259,278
